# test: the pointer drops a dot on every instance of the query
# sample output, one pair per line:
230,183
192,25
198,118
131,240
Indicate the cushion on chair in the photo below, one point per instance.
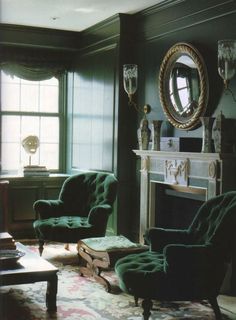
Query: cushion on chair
61,228
138,273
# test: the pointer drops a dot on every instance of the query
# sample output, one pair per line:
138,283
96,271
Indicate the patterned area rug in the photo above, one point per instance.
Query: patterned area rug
81,298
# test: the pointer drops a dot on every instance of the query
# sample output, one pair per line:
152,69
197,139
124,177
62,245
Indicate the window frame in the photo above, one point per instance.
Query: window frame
61,114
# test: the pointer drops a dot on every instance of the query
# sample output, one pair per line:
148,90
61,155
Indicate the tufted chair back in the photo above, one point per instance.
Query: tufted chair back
213,222
82,192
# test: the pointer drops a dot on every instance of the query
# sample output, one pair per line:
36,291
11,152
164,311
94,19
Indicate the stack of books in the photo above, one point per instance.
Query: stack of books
6,241
31,171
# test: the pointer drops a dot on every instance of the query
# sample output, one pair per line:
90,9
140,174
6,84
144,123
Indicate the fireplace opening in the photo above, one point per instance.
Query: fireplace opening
176,206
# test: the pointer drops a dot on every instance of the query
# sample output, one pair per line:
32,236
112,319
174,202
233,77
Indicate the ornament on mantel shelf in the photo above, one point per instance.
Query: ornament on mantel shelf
207,123
223,134
156,134
218,133
144,134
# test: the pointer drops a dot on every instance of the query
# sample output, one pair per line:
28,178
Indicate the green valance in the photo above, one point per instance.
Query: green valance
34,64
30,72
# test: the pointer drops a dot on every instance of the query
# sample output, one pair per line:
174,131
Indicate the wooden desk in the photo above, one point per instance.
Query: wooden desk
102,253
29,269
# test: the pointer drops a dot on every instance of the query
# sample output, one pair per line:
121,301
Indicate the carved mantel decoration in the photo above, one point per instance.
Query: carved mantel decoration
176,172
208,173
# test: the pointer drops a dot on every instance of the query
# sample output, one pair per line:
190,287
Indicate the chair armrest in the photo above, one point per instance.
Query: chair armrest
158,238
48,208
98,215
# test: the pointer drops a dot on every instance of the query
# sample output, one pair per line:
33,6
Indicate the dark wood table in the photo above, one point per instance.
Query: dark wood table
29,269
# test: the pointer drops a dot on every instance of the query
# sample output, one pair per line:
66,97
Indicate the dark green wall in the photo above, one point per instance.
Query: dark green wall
200,23
98,68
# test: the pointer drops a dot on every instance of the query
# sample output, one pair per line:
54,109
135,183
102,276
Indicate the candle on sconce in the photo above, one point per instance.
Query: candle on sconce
226,59
130,85
226,69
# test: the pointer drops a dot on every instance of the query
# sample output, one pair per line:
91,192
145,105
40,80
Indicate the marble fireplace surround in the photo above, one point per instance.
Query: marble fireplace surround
207,174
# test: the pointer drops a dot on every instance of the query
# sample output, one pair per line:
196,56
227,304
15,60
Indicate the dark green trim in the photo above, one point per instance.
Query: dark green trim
15,35
63,122
165,19
196,182
157,177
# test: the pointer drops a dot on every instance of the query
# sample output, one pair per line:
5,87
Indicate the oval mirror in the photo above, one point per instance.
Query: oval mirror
183,86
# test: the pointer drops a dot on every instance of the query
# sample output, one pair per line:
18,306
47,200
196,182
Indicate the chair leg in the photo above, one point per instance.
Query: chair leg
216,308
41,244
147,306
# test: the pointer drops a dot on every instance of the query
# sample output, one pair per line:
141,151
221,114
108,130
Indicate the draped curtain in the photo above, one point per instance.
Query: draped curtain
34,65
30,72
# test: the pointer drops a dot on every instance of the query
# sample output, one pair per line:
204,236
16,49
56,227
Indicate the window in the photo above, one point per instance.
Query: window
29,108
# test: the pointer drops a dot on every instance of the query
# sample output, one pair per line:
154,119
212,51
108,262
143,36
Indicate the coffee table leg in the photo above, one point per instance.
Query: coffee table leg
51,295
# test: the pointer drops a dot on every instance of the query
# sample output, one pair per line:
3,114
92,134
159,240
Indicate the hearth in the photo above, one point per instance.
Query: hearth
175,207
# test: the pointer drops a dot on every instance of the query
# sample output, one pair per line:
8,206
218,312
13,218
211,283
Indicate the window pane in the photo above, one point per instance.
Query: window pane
10,156
29,126
49,155
10,129
10,97
181,83
49,130
184,97
48,98
5,78
29,97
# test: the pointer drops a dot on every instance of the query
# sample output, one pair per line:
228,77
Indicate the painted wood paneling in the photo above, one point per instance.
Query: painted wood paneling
93,112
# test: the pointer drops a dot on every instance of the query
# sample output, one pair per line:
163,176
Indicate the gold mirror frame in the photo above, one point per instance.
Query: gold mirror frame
171,57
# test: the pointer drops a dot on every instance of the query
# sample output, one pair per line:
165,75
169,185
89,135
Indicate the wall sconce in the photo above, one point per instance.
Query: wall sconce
227,61
130,80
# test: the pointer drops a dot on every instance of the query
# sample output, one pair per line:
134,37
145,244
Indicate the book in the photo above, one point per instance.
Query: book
35,168
7,241
33,174
30,171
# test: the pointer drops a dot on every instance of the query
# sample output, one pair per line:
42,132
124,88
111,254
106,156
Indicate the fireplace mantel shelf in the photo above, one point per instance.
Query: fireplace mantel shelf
211,173
184,155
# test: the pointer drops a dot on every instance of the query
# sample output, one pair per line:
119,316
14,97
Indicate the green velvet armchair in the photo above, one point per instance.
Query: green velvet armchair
81,211
184,264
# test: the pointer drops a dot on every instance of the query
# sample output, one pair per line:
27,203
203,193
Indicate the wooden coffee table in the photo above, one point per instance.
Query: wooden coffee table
102,253
29,269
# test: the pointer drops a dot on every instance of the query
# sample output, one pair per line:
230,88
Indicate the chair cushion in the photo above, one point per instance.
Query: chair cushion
65,228
138,273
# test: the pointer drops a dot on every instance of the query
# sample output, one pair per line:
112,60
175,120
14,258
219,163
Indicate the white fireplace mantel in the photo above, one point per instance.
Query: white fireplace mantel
213,173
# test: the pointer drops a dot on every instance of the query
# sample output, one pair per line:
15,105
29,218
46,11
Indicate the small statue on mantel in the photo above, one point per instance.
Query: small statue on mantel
224,134
144,134
156,134
218,133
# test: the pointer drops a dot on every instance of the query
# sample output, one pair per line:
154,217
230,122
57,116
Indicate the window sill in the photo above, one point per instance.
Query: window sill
22,177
